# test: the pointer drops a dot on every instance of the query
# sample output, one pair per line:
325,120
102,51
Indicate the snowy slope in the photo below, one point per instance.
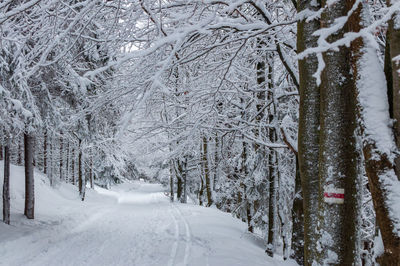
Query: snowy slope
132,224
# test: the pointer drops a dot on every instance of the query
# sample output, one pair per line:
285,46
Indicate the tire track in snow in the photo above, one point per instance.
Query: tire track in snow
188,234
174,250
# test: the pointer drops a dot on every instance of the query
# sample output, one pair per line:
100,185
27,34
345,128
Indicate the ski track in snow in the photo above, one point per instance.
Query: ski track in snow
175,258
174,249
188,239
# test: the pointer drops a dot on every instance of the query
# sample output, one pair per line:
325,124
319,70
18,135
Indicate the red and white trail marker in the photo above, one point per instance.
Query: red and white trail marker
334,195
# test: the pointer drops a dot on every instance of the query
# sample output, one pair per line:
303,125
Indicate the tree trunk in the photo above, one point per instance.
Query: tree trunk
6,184
171,180
91,172
184,180
272,166
271,203
338,156
50,168
388,73
298,220
67,164
19,158
179,183
45,152
207,172
73,165
61,157
378,163
81,176
29,178
394,43
201,191
216,162
1,152
308,134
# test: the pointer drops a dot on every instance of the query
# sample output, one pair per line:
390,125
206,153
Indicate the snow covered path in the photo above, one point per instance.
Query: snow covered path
133,224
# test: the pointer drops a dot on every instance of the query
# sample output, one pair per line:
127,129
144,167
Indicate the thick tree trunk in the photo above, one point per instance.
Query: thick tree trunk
389,73
1,152
308,134
394,43
338,156
29,178
378,163
378,167
6,184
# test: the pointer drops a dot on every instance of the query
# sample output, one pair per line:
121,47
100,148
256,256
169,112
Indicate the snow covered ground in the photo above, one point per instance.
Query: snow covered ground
132,224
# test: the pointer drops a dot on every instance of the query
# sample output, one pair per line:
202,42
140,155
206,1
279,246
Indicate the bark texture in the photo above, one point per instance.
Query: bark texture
308,134
298,220
394,44
6,185
338,156
81,176
29,178
379,167
45,151
207,172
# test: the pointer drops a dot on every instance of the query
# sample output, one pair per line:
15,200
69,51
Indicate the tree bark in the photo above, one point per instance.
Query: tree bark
308,133
61,156
394,44
81,176
91,172
45,152
19,158
171,180
272,166
207,172
50,159
6,184
73,165
184,180
388,73
29,178
378,164
298,220
67,164
338,156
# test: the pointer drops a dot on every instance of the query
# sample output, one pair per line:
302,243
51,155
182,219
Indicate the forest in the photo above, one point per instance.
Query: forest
284,114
